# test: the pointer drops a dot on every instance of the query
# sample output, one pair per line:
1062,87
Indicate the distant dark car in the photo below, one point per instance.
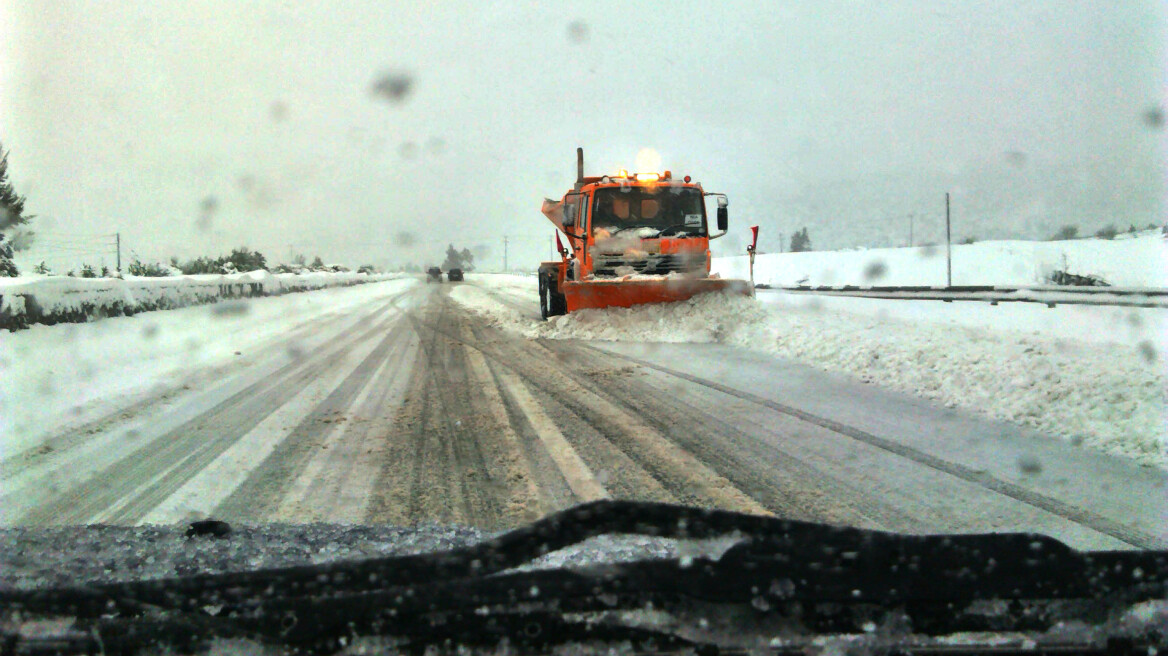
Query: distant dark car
434,274
454,275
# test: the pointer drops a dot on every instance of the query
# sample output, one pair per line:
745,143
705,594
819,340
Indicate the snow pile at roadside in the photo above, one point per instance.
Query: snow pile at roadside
703,318
54,299
1140,261
1108,397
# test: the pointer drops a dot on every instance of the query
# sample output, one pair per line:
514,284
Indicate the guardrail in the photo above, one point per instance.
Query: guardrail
1049,295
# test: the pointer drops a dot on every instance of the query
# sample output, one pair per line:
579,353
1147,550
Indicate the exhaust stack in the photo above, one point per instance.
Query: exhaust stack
579,167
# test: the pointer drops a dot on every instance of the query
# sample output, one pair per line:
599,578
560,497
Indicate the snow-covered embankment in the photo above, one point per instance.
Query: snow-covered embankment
58,299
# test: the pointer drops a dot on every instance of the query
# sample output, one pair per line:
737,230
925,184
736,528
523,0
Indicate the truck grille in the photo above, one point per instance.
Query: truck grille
651,264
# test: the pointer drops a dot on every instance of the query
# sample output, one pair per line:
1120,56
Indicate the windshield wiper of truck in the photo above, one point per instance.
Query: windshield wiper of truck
783,585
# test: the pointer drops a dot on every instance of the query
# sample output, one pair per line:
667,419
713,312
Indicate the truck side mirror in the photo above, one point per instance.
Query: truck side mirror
569,215
723,219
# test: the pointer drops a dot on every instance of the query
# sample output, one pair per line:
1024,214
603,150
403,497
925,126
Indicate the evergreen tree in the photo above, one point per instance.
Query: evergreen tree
456,259
11,215
800,241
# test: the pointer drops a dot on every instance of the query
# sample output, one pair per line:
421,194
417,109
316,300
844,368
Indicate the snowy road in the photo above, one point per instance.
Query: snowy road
407,408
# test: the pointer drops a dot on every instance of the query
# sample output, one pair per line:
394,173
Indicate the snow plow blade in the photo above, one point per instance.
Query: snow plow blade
627,293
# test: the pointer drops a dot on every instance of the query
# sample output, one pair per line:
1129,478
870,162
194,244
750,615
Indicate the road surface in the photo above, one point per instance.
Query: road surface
413,410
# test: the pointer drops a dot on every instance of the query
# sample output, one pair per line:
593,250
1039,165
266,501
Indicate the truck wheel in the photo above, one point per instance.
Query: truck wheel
557,303
543,296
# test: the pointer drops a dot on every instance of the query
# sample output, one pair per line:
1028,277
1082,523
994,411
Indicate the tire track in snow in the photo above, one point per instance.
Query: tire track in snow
1094,521
785,484
196,442
687,478
260,495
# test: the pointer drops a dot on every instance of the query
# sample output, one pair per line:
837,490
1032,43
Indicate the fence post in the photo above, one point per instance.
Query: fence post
948,246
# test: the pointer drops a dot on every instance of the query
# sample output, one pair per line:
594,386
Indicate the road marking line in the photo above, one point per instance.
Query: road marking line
579,477
218,480
656,446
304,494
498,412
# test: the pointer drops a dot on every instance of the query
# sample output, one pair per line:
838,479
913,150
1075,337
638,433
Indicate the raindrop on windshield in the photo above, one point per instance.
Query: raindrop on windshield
928,250
875,270
207,208
278,111
578,31
1029,464
1154,118
1148,351
230,308
1016,158
394,87
435,146
408,150
404,239
295,351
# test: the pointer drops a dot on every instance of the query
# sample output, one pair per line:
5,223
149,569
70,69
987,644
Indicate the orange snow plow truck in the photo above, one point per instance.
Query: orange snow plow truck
632,239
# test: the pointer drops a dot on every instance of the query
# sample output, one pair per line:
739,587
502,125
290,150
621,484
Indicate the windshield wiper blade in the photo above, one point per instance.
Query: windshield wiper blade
779,563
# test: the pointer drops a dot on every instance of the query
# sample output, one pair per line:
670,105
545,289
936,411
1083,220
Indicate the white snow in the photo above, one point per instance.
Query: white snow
1140,261
53,377
56,294
1111,396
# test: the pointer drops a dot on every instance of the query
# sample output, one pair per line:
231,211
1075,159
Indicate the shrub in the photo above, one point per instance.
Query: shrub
1107,232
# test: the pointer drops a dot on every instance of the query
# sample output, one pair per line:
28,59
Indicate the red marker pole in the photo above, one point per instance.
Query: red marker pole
750,252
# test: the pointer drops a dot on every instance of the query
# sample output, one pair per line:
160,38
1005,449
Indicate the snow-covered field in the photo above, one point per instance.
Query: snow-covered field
53,377
1108,395
1140,261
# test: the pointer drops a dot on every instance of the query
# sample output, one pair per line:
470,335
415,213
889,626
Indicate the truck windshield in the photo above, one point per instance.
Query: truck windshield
664,208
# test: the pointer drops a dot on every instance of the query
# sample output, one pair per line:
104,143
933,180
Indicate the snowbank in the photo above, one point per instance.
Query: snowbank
1109,397
57,299
1135,262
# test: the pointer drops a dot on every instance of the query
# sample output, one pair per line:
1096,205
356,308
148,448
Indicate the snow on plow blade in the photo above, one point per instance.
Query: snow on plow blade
627,293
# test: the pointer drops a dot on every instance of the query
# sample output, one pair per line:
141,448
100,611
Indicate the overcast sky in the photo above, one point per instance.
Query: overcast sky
193,127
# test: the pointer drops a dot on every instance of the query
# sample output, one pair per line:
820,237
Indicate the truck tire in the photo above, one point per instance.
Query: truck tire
543,296
551,302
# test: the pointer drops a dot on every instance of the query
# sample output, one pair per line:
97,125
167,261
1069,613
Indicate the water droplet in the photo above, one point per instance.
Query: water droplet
278,111
875,270
1147,351
230,308
578,31
1029,464
394,87
1154,118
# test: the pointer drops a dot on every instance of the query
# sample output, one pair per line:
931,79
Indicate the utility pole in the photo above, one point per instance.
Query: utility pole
782,249
504,254
551,246
910,229
948,245
118,237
